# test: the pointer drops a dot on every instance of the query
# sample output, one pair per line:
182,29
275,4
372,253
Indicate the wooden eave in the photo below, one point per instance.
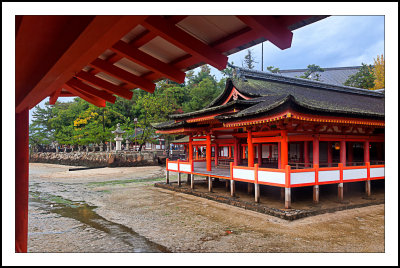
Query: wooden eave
96,57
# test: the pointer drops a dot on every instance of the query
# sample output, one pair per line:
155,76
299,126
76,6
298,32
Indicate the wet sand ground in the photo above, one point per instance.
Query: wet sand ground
125,201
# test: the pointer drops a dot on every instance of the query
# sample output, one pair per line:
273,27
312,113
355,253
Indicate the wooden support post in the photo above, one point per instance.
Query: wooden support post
350,153
270,151
227,184
340,185
167,179
287,198
188,179
256,185
366,152
343,152
192,181
279,156
190,148
210,185
287,187
208,152
284,151
368,181
21,180
316,150
179,173
216,152
329,153
316,194
235,152
259,152
306,154
232,181
250,149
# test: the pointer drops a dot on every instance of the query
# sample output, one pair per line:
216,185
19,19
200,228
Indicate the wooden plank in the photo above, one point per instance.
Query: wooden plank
185,41
107,86
90,90
87,97
151,63
120,74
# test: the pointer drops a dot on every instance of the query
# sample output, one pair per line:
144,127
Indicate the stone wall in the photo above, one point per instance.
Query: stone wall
99,159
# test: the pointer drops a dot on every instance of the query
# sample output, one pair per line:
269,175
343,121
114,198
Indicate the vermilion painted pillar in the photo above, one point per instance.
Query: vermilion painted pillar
367,163
229,151
329,153
343,162
279,155
259,154
306,153
208,152
270,151
250,149
21,180
284,151
216,152
316,150
235,152
366,152
343,152
350,153
190,148
316,165
301,152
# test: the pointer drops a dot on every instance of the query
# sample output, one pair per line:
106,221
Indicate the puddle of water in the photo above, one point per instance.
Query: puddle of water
84,213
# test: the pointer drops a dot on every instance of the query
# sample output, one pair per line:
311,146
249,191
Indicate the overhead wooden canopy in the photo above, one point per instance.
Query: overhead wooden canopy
97,57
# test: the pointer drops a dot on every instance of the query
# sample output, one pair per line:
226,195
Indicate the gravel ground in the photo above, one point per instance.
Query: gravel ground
160,220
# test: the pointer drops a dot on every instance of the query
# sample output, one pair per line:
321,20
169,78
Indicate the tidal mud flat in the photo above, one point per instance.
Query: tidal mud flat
120,210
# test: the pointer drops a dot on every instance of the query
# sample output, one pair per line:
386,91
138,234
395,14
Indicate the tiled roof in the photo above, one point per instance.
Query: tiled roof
334,76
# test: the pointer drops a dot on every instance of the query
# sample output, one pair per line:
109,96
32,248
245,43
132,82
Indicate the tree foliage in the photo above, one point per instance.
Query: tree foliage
273,69
379,72
249,60
312,72
364,78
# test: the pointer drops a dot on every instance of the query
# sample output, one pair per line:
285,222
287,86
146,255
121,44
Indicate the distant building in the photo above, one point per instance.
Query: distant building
157,144
334,76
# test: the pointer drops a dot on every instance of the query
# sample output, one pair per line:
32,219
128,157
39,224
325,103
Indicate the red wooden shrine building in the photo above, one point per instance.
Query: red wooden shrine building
98,57
285,132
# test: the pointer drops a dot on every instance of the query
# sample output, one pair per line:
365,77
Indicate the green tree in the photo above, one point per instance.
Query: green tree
312,72
272,69
249,60
364,78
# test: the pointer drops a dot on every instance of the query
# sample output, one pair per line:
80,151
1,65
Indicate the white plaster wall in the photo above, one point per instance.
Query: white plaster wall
185,167
352,174
302,177
377,172
271,177
173,166
329,175
243,174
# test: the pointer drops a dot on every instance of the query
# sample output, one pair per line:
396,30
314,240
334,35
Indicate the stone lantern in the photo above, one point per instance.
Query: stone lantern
118,139
127,144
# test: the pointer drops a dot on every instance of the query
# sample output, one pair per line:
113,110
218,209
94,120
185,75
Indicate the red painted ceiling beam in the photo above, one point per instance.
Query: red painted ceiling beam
78,84
54,96
99,35
105,85
149,62
271,29
185,41
127,77
87,97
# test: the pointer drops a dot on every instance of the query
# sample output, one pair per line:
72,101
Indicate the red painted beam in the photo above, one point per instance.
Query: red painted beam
127,77
107,86
185,41
54,96
87,97
100,34
78,84
271,29
148,61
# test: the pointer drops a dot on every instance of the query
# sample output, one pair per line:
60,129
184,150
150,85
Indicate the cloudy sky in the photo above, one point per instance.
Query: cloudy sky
336,41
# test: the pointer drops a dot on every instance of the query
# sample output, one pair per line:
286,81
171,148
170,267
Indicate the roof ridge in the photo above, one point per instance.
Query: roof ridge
242,72
325,68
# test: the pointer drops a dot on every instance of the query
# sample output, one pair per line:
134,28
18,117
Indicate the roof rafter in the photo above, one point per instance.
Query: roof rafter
87,97
185,41
271,29
105,85
127,77
78,84
99,35
149,62
54,96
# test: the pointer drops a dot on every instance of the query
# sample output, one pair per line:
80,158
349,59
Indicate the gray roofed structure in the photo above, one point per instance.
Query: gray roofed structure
335,76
